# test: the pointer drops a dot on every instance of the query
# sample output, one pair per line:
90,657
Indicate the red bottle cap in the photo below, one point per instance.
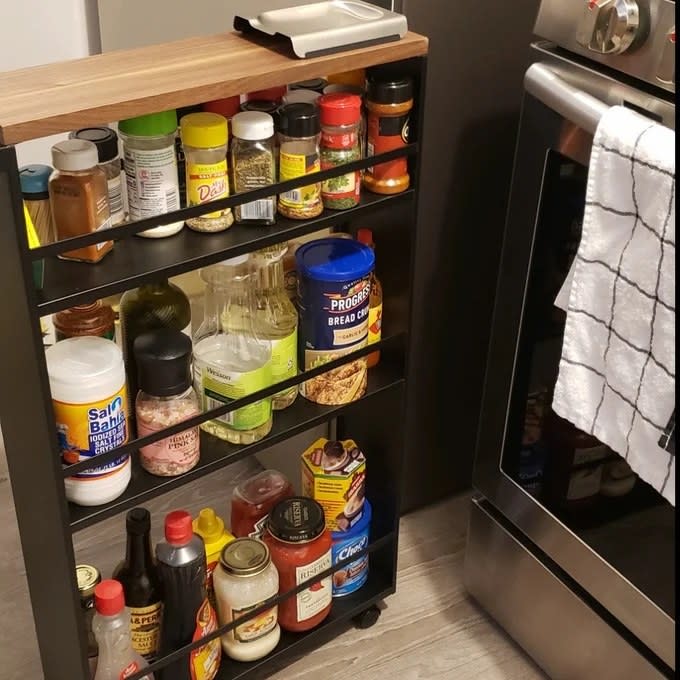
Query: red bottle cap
339,108
227,107
274,94
365,236
178,529
109,598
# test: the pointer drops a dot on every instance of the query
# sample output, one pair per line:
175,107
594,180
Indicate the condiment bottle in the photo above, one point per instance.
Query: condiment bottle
299,156
204,140
375,307
333,88
106,141
340,116
244,580
95,319
166,397
300,547
150,167
88,577
138,575
253,165
79,197
389,102
34,189
111,625
179,152
187,613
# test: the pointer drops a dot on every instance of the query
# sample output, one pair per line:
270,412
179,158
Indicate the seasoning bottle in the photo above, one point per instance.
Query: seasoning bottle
111,625
389,103
300,547
79,197
138,575
340,116
299,156
269,106
94,319
375,305
187,613
150,167
252,164
34,189
166,397
88,577
244,580
333,88
179,153
230,359
106,141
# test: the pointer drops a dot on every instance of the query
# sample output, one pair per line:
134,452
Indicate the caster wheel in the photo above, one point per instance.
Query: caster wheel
369,617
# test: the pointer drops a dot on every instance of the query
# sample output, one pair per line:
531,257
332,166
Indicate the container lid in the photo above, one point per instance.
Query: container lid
299,120
390,91
358,527
365,236
186,110
265,105
74,154
272,93
87,577
245,557
312,84
34,181
163,359
296,520
340,108
334,259
138,521
178,529
208,525
150,125
108,597
261,487
227,107
301,97
252,125
104,138
357,78
332,88
203,130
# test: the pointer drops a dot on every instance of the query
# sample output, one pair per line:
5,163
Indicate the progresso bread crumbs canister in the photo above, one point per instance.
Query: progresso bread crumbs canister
333,289
346,544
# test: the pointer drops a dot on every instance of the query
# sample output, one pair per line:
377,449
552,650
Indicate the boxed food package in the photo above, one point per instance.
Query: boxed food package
334,474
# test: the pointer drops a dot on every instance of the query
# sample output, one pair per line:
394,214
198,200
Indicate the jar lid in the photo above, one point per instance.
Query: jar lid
108,597
208,525
178,527
87,577
334,259
265,105
393,91
74,154
163,359
245,557
34,181
138,521
296,520
299,120
150,125
340,108
252,125
104,138
203,130
357,78
271,93
332,88
301,97
227,107
93,319
312,84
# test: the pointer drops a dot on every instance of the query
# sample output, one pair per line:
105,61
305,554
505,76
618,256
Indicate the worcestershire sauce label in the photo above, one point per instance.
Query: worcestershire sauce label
145,629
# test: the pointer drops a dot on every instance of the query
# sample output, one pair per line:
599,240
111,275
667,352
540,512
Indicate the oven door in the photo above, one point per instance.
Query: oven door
617,543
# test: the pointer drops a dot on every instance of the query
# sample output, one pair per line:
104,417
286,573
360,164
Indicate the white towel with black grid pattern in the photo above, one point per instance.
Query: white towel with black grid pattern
617,371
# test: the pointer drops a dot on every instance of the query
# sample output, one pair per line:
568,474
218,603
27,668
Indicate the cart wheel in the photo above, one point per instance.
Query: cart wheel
369,617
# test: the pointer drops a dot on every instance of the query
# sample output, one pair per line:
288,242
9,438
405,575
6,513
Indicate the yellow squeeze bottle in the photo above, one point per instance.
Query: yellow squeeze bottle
210,527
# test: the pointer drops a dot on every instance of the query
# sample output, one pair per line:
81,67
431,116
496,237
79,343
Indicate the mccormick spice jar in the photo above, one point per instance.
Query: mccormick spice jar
95,319
300,547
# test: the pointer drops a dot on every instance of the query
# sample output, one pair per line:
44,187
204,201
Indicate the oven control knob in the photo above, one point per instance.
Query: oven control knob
609,26
666,69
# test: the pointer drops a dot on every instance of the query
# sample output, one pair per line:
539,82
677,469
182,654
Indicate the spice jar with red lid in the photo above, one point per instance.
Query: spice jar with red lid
300,547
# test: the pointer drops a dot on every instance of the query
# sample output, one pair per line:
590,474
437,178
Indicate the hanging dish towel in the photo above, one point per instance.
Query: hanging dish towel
617,371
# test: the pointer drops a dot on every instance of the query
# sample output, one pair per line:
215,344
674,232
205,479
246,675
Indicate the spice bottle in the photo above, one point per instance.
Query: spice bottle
106,141
88,577
179,153
252,163
204,140
299,156
34,189
95,319
138,575
79,197
150,167
301,97
274,94
166,397
340,115
389,102
375,305
333,88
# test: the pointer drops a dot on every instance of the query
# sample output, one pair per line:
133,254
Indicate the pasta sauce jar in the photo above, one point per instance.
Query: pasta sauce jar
300,547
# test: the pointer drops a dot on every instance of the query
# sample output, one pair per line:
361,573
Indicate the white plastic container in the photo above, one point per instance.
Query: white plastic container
87,380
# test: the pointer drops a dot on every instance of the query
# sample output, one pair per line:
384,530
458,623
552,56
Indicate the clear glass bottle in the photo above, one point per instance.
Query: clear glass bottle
230,359
88,577
276,320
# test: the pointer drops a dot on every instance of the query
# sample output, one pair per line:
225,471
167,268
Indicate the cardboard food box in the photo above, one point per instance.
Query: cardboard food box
334,474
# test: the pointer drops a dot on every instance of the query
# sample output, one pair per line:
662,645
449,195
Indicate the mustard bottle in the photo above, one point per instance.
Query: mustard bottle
210,527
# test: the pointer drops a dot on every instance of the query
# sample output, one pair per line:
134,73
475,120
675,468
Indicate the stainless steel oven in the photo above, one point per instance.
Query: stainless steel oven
567,549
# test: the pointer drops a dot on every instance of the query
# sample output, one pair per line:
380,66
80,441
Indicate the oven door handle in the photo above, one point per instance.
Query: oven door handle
575,105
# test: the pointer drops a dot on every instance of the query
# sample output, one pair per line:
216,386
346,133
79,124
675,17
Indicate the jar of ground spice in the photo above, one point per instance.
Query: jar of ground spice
95,319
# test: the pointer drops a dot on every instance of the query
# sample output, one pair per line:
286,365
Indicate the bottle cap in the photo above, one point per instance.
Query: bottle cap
178,529
208,525
138,521
390,91
245,557
74,154
108,597
163,361
365,236
150,125
271,93
313,84
340,108
34,181
264,105
334,259
227,107
301,97
299,120
332,88
104,138
296,520
87,577
203,130
252,125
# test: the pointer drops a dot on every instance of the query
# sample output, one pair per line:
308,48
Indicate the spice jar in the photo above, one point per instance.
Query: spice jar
150,165
301,97
204,140
274,94
332,88
340,115
166,397
315,84
106,141
79,197
252,163
95,319
179,153
300,547
389,103
244,580
299,156
88,577
34,190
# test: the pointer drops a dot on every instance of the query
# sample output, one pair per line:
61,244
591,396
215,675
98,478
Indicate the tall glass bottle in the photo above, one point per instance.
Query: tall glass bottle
276,320
230,359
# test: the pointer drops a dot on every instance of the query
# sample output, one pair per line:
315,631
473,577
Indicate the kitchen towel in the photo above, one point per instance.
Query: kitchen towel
617,370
